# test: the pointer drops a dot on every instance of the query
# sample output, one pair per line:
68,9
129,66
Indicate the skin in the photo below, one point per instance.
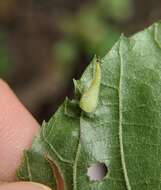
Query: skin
17,130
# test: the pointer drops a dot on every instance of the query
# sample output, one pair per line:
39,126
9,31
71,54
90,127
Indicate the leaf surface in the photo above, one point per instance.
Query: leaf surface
124,131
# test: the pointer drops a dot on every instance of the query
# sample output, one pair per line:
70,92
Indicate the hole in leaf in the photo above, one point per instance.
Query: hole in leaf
97,172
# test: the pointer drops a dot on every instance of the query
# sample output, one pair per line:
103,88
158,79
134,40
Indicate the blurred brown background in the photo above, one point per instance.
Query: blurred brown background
46,43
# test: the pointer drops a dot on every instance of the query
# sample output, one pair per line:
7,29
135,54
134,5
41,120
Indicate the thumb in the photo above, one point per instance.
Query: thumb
23,186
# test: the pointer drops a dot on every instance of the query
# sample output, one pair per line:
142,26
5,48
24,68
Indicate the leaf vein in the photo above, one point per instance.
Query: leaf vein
75,163
55,151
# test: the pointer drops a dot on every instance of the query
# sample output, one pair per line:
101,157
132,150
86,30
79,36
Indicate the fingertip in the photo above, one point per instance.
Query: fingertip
3,84
23,186
17,129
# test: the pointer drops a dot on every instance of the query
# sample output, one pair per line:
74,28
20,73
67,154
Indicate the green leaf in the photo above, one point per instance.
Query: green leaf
124,132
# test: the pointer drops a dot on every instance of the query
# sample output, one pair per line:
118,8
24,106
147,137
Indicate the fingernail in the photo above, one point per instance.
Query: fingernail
40,186
23,186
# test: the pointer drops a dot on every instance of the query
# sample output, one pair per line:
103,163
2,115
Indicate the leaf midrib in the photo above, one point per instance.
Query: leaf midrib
127,181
